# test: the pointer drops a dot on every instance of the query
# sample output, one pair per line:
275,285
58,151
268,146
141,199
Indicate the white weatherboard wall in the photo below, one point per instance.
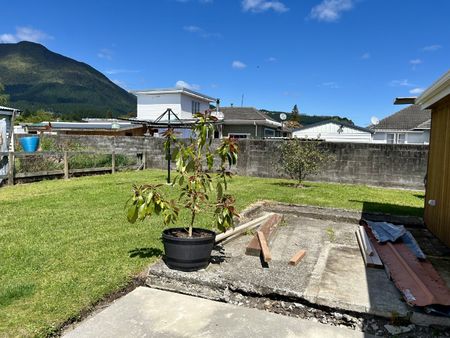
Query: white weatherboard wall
186,104
151,106
329,133
411,137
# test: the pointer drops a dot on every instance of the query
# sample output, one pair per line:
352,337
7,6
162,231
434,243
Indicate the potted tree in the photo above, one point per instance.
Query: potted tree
189,248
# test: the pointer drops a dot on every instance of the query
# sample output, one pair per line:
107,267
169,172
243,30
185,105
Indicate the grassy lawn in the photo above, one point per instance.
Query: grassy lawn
66,244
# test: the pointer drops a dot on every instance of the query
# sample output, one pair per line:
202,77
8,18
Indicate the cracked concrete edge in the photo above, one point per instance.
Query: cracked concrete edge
343,215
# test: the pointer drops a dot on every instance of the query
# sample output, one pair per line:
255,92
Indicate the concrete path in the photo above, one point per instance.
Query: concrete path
147,312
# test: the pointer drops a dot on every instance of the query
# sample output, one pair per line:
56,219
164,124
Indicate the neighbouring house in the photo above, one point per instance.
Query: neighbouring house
248,122
184,102
334,131
7,116
410,125
436,100
96,127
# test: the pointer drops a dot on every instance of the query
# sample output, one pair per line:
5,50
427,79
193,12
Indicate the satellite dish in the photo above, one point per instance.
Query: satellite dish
374,120
283,116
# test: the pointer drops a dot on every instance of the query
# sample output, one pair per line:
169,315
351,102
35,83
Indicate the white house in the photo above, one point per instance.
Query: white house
184,102
334,131
410,125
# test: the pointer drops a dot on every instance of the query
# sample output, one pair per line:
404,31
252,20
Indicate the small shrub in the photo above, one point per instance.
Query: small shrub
299,158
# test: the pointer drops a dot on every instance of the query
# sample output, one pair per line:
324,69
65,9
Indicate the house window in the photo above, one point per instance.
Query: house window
269,132
195,108
401,138
391,138
238,135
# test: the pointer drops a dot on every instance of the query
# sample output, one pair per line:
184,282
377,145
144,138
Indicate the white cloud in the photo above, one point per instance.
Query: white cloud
415,63
25,34
238,64
105,53
184,84
258,6
365,56
272,59
416,91
201,32
119,71
331,10
192,29
431,48
401,83
330,84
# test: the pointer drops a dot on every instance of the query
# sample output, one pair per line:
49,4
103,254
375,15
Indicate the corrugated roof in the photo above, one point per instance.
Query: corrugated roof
406,119
244,113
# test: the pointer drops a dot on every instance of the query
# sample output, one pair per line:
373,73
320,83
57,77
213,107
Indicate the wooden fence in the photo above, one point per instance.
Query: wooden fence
62,161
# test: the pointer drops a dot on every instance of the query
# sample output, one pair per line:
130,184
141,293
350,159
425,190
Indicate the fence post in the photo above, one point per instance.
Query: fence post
11,168
66,165
144,160
113,162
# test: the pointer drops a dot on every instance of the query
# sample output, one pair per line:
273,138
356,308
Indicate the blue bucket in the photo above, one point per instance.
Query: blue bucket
30,143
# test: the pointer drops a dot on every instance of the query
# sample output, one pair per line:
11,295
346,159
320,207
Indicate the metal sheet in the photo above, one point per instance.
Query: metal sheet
418,281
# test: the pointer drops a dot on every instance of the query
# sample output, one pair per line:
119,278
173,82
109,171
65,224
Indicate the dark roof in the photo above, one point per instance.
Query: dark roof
244,113
406,119
424,125
339,123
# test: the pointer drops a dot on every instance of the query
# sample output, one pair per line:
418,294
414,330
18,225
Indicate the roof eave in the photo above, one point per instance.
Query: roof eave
436,92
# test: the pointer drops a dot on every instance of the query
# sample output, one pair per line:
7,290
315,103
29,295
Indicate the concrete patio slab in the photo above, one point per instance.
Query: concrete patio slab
147,312
331,274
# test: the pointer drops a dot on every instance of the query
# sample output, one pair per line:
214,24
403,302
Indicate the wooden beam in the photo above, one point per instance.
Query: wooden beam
264,247
370,261
269,228
366,241
11,169
66,166
243,227
297,257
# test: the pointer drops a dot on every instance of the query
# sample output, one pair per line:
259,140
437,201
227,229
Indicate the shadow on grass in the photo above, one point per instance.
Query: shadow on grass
145,252
387,208
15,292
420,196
292,185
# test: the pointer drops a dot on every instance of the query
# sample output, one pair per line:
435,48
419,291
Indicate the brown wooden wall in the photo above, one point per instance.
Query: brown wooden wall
437,218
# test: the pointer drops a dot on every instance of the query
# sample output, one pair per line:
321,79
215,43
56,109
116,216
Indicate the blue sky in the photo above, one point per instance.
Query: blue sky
346,57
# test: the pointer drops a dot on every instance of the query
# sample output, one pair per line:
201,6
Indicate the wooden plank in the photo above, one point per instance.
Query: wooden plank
366,241
368,260
11,168
375,257
241,228
66,166
297,257
269,228
267,257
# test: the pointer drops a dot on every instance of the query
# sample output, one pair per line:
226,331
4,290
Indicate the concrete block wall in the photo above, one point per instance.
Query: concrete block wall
387,165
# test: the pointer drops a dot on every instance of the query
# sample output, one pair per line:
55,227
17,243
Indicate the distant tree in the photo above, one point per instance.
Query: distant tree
36,117
300,158
295,115
4,98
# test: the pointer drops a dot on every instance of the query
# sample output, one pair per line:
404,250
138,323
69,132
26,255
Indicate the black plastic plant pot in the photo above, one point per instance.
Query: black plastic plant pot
188,253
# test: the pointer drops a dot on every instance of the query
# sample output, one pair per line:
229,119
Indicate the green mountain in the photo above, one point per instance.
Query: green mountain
37,78
308,119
